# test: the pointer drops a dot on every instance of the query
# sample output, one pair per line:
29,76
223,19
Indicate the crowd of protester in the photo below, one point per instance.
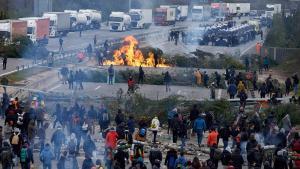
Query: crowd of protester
246,141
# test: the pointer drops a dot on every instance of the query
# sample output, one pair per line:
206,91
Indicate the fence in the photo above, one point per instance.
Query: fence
280,54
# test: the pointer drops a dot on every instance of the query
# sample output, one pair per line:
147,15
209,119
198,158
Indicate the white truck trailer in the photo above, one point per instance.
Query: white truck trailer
140,18
59,23
93,18
78,20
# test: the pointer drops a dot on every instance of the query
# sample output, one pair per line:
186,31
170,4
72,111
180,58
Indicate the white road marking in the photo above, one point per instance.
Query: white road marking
219,94
55,87
97,87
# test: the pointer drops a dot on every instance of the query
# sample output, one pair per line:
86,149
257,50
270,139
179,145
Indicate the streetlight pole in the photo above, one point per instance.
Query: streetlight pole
129,5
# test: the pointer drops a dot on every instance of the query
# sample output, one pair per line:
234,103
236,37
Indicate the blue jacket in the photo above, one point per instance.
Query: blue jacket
232,89
131,125
46,155
181,161
171,114
199,125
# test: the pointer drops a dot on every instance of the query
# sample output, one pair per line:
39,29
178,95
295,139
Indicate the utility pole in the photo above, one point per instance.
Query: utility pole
129,5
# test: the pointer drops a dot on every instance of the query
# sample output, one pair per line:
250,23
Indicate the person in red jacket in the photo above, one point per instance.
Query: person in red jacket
212,137
111,139
131,84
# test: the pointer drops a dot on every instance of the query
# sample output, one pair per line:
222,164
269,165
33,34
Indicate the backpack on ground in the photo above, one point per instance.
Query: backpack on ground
142,132
15,139
218,154
23,155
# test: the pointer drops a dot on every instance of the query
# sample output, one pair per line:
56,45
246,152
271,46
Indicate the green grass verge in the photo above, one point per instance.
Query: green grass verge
23,74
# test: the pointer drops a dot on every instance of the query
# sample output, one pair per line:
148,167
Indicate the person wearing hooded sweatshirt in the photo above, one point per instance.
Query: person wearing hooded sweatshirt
31,131
154,127
171,158
16,141
46,157
171,115
199,128
111,139
58,139
26,156
6,156
237,159
89,146
72,148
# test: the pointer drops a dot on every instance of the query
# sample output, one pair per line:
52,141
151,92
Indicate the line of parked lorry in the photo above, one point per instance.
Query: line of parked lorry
54,24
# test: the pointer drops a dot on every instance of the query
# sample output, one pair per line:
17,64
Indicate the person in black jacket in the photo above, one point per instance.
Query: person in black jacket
120,157
255,157
224,133
119,117
226,156
62,160
155,154
237,159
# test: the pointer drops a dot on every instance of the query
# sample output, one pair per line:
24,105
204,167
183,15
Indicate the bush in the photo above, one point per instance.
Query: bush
282,109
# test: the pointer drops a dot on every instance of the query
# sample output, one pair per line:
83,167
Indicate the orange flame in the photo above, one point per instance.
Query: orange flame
129,55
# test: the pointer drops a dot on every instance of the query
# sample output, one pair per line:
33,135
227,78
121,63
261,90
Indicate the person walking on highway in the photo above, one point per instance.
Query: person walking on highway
141,75
4,62
155,127
199,128
295,84
95,41
167,80
89,51
71,80
111,74
61,41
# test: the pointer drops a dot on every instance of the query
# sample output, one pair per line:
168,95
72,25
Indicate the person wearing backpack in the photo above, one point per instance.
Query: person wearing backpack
181,161
46,157
58,139
171,158
154,127
16,141
6,156
155,154
26,156
199,128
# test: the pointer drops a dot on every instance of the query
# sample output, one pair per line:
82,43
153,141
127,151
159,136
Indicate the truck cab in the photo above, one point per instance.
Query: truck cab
78,20
197,13
140,18
119,21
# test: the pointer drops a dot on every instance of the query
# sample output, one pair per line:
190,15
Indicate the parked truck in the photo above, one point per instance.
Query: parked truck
238,8
140,18
272,9
37,29
119,21
165,16
78,20
181,11
59,23
12,29
93,18
201,13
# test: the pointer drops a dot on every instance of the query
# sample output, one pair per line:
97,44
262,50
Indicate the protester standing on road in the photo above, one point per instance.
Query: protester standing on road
6,156
71,80
288,86
199,128
141,75
89,51
154,127
167,80
295,84
46,157
205,79
111,74
95,40
266,63
4,62
232,90
58,139
61,41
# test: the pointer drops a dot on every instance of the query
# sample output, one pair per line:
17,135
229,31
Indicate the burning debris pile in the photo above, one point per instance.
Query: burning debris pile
130,55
